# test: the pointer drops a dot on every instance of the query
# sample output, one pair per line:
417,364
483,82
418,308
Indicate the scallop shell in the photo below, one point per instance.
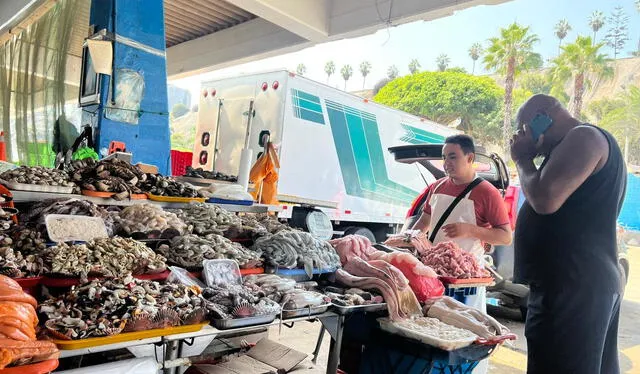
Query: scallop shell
243,309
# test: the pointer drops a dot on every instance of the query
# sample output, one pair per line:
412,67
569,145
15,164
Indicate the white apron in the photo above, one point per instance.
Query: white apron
464,212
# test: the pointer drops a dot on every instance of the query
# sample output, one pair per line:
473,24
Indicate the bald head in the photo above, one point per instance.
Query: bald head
562,121
538,104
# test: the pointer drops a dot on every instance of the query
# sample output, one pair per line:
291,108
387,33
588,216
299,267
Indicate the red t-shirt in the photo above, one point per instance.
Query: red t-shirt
487,200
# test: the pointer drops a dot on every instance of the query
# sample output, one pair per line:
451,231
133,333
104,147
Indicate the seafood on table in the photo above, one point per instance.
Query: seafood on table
37,175
146,218
166,186
108,307
110,257
39,210
204,174
256,225
18,344
204,219
352,296
111,175
191,250
15,264
300,299
297,249
227,301
271,286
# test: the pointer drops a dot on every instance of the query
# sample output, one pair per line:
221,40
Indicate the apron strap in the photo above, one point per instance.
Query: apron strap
453,204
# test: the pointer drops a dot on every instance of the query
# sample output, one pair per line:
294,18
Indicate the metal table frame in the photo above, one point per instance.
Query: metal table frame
174,344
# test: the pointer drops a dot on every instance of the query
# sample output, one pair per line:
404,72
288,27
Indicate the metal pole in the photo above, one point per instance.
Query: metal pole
215,144
249,118
334,350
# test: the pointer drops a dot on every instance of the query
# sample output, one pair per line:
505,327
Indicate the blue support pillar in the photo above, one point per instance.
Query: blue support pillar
139,48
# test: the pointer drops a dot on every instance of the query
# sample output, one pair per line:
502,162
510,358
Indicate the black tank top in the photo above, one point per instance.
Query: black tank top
577,244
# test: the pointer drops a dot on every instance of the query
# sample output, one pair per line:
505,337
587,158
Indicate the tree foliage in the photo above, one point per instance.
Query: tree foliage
365,69
447,96
443,62
475,51
346,72
623,121
329,69
301,69
536,83
596,21
618,33
392,72
414,66
179,110
561,29
577,62
509,55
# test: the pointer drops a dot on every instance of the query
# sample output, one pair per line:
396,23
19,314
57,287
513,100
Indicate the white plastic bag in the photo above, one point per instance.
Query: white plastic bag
182,276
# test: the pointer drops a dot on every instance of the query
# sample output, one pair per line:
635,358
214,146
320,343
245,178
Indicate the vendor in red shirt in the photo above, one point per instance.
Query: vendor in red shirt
479,216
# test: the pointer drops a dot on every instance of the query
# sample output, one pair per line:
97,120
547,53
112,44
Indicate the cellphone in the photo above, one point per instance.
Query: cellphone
539,124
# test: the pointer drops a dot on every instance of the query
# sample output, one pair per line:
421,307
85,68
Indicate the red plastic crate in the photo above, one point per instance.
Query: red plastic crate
179,162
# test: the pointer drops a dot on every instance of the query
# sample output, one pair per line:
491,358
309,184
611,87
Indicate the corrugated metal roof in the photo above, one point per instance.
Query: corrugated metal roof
190,19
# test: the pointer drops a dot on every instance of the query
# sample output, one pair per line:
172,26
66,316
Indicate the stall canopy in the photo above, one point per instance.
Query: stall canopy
39,79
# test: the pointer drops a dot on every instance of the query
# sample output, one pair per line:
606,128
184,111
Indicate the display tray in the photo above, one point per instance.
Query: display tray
358,308
37,188
109,195
31,282
215,200
126,337
174,199
198,273
54,281
466,281
448,345
318,309
68,224
201,181
226,324
41,367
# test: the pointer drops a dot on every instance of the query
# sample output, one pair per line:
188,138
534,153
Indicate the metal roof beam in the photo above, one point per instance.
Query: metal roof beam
306,18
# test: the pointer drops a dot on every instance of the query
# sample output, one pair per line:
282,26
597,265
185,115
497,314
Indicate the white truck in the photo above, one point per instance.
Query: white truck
332,148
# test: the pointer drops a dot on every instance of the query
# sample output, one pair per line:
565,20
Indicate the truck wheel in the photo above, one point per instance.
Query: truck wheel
362,231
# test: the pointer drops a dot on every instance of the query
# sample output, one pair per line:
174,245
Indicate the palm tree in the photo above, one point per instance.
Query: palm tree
577,62
561,30
637,53
414,66
392,72
329,69
365,69
443,61
509,55
624,122
346,72
475,51
596,21
301,69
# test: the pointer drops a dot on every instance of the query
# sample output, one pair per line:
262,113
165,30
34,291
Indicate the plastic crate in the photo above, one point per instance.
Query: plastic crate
461,294
179,162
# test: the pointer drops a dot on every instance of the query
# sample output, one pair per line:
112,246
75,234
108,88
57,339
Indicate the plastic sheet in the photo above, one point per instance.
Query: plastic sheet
182,276
145,365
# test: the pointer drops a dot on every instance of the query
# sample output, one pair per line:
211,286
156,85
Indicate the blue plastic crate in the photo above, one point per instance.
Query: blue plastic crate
299,275
461,294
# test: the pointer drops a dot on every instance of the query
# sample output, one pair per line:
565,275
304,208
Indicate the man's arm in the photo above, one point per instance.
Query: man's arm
499,235
423,222
571,163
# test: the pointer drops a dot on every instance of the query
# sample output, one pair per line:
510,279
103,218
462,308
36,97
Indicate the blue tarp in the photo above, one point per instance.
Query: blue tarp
630,215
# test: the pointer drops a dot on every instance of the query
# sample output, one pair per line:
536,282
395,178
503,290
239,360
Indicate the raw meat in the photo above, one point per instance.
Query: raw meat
406,299
422,279
412,239
448,260
430,331
453,312
352,246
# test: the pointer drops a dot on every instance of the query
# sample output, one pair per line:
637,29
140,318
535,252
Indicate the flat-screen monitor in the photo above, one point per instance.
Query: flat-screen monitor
89,81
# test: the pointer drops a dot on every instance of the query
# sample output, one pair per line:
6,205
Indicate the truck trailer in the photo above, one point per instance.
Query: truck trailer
332,146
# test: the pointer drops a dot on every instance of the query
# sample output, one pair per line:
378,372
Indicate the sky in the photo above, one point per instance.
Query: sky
425,40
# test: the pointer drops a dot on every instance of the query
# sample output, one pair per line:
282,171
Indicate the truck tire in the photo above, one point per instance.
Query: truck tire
362,231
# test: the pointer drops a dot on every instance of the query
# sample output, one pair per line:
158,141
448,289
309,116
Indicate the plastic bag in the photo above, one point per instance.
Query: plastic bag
264,176
216,272
182,276
227,192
